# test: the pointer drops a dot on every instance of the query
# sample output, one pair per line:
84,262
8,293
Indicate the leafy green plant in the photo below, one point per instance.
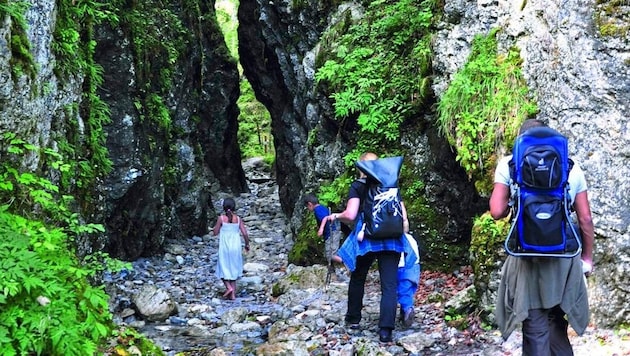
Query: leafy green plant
47,305
83,146
379,71
332,195
484,105
254,125
455,319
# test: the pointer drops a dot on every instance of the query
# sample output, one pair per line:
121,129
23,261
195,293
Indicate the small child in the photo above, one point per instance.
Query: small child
408,278
332,231
230,227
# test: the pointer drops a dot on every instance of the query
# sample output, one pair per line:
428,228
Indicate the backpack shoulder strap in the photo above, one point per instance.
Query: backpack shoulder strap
512,166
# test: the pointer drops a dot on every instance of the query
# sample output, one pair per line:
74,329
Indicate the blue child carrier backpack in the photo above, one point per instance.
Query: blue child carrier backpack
382,207
541,221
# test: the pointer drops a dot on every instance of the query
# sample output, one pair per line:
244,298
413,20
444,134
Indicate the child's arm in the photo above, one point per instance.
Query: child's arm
217,226
241,226
405,219
347,216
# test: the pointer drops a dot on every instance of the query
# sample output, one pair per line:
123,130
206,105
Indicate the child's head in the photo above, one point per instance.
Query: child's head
229,206
367,156
310,201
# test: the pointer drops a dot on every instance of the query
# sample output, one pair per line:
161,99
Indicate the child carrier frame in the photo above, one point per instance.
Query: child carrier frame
540,145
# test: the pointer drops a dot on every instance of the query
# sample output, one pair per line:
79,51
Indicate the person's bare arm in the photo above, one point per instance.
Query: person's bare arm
347,216
585,220
244,233
217,226
499,200
405,218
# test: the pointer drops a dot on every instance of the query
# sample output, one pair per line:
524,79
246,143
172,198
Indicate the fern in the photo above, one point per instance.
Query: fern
379,69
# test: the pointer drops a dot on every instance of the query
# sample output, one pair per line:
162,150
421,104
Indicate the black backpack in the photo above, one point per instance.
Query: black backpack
539,171
382,208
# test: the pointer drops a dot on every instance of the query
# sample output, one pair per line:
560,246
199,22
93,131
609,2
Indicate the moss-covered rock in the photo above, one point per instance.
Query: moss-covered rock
308,248
486,257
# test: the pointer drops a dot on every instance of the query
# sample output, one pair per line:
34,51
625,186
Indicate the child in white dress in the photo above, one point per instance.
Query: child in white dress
230,227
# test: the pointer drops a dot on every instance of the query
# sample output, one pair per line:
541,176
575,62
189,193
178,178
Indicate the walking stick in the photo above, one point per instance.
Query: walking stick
331,268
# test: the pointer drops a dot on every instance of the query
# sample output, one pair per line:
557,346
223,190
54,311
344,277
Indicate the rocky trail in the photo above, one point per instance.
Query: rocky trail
283,309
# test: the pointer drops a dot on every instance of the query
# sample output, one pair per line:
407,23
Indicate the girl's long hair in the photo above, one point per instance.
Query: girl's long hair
229,206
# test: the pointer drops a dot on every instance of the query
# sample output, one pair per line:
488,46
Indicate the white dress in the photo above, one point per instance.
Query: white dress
230,261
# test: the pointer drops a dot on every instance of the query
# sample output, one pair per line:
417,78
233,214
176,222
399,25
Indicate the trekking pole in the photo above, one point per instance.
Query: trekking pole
329,253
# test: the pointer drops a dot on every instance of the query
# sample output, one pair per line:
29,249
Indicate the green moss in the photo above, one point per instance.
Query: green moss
158,112
426,223
483,107
610,20
21,62
308,248
486,248
21,58
277,290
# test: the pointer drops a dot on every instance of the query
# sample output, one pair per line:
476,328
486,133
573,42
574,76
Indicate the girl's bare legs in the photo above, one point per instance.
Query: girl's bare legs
233,294
228,288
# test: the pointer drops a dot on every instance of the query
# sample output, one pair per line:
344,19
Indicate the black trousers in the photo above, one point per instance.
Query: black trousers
388,274
545,333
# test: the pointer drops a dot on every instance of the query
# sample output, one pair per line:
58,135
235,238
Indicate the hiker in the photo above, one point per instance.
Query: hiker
332,231
408,278
540,291
230,227
385,251
408,270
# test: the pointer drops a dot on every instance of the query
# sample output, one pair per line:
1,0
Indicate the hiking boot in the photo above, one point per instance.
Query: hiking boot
408,318
385,335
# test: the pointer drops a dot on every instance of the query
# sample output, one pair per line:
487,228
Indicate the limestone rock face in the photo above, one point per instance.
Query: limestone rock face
279,44
164,172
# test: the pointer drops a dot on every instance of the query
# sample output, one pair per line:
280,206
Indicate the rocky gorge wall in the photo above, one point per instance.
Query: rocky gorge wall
163,177
164,174
579,78
170,89
581,81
